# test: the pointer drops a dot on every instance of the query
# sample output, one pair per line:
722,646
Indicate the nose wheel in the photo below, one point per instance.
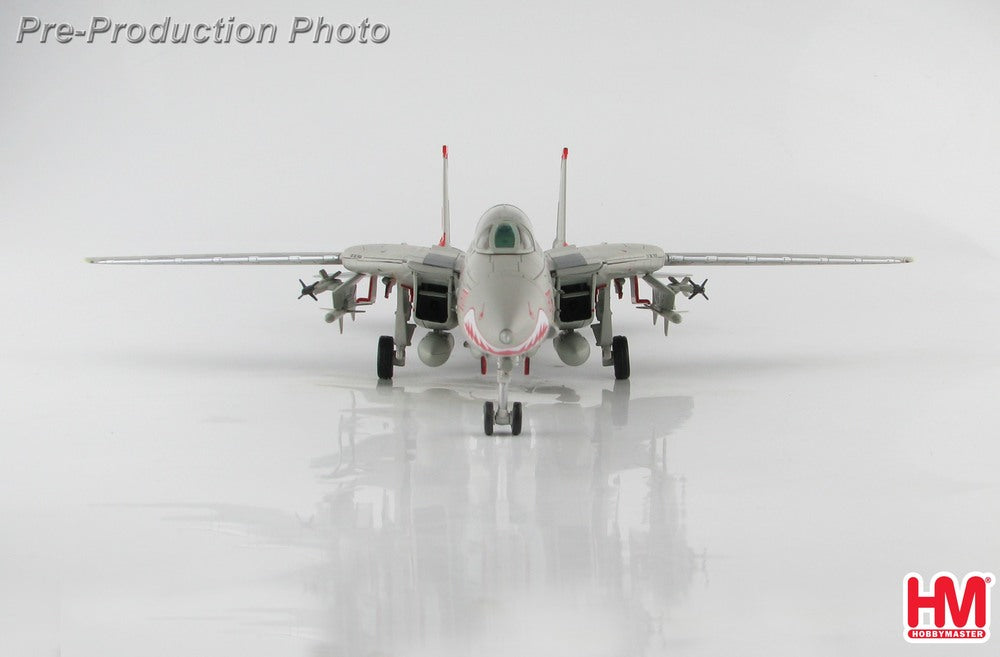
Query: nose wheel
499,413
488,417
492,418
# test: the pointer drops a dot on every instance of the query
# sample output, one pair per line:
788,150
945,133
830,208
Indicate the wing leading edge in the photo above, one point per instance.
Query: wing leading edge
392,260
696,259
623,260
315,258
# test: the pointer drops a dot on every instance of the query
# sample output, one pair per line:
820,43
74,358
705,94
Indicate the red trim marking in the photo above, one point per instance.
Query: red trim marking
444,240
619,284
389,286
444,151
598,289
372,281
636,299
408,288
565,153
482,365
527,365
471,330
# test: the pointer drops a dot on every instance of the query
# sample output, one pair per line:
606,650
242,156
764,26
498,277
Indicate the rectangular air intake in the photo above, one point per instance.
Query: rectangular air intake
575,302
432,303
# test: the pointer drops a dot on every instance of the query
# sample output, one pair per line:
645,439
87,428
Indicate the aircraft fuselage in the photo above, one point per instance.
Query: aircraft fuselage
505,299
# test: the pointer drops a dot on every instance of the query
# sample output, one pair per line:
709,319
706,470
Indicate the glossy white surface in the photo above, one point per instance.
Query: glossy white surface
258,503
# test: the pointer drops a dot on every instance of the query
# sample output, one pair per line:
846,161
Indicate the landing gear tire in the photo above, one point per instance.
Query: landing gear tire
488,418
619,355
386,352
515,419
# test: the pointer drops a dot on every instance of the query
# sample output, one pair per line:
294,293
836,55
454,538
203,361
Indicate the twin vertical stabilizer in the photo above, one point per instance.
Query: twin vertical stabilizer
445,210
445,240
561,211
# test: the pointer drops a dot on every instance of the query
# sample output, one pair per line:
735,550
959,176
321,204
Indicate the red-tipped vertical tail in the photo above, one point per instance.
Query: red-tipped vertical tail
560,239
445,210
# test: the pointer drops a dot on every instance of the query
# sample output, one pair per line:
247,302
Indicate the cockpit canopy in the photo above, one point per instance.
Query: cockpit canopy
504,229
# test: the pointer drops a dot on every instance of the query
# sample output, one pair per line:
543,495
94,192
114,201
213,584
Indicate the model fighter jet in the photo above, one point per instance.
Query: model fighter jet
506,292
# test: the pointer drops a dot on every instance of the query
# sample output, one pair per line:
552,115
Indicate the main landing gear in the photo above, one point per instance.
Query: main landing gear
614,348
392,348
386,353
500,414
619,357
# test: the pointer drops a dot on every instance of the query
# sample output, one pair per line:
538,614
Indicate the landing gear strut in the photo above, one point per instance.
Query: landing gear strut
392,348
500,414
614,348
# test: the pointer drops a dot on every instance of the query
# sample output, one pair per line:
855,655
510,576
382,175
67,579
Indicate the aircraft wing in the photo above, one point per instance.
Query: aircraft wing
401,261
695,259
315,258
396,261
602,264
610,261
607,261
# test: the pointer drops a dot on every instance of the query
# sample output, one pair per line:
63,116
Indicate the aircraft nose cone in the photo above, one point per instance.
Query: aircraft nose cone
510,324
506,316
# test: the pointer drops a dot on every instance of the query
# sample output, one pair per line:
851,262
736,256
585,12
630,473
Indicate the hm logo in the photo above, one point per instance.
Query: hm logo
948,611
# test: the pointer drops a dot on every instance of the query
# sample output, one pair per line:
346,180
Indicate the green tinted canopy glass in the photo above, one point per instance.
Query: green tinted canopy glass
504,237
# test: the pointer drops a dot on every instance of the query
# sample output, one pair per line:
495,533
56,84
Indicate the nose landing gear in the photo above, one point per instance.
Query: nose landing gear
513,417
501,415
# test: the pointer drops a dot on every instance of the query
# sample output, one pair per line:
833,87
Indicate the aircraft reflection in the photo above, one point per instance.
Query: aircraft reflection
436,543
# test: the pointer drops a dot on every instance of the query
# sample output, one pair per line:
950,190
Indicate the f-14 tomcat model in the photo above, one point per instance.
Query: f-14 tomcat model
506,292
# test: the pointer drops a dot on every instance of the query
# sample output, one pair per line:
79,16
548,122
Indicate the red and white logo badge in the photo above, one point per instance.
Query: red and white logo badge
946,610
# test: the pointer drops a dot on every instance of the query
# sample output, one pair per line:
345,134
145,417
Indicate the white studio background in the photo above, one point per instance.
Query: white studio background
827,401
